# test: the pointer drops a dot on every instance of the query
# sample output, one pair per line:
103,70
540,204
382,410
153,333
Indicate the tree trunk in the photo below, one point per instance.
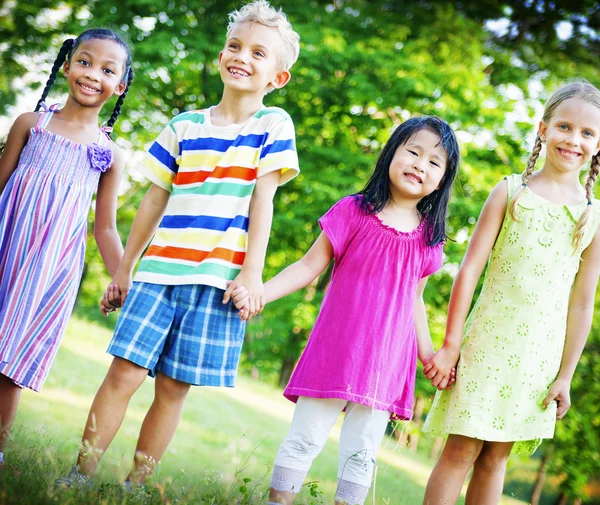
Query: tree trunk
562,500
541,476
436,448
287,367
413,438
578,501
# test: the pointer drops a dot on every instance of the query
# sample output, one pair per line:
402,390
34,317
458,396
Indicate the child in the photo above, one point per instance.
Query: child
52,164
214,175
361,355
528,328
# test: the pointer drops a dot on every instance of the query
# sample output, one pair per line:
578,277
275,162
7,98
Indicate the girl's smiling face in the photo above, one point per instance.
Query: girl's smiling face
572,135
95,71
418,166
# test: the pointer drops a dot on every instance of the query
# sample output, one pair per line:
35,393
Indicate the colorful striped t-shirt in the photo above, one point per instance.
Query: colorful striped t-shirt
211,172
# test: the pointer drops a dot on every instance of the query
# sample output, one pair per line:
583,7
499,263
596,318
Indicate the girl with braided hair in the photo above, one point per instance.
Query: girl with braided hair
52,163
527,330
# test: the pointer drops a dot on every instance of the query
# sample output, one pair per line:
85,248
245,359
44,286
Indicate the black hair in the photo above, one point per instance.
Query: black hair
68,48
434,207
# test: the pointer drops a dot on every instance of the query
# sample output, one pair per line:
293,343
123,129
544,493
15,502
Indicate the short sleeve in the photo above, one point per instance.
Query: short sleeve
160,162
434,258
279,149
341,223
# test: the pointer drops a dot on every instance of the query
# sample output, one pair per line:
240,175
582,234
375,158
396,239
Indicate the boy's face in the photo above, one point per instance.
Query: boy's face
249,61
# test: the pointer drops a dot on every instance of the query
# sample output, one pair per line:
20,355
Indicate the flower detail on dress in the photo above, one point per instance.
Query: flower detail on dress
100,157
506,392
498,423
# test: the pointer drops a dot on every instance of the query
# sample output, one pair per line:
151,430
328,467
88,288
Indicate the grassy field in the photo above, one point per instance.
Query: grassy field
221,454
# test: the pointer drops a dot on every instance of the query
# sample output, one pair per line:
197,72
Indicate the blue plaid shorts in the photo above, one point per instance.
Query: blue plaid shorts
183,331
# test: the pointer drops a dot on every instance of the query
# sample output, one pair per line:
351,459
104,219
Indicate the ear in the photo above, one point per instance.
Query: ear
543,129
220,57
120,89
281,79
66,67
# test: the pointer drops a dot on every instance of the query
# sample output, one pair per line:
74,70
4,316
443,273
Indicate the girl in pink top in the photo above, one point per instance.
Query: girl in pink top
361,356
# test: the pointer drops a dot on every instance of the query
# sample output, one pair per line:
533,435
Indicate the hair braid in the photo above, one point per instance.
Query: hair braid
60,59
589,194
117,110
535,153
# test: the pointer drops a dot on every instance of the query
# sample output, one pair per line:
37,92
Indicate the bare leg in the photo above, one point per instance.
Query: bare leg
159,425
281,497
487,481
448,476
107,412
9,401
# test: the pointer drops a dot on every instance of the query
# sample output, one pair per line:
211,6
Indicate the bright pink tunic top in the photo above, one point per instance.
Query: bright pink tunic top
363,346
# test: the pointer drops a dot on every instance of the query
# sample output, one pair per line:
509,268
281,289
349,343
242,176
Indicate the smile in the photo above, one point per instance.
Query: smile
238,71
570,155
88,88
413,177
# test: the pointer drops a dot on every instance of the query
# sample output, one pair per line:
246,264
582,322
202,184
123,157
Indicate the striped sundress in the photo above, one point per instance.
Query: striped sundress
43,229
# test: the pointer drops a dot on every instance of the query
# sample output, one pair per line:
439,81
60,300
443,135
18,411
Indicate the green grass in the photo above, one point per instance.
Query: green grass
225,436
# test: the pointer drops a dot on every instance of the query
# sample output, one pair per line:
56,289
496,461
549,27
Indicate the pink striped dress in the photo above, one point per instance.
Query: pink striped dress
43,229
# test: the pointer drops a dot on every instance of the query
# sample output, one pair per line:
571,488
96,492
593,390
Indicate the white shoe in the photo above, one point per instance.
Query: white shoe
74,480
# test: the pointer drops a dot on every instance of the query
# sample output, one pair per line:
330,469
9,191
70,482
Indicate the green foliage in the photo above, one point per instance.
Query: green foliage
364,67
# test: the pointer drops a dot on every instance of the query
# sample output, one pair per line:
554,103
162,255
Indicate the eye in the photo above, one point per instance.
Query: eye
108,71
85,63
588,133
232,45
435,164
412,152
259,54
563,127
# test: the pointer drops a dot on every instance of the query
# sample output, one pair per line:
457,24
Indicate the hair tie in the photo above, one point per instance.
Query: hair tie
590,202
524,185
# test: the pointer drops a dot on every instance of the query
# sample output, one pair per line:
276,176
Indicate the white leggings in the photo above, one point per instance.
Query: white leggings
362,432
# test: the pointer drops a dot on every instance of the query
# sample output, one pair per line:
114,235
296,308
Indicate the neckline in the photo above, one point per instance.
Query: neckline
545,200
43,130
230,126
398,233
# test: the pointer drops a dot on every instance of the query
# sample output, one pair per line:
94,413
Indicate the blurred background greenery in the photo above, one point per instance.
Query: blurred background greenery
364,67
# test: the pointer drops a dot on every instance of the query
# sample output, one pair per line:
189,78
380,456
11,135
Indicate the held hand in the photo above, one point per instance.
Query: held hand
247,293
116,293
560,393
439,368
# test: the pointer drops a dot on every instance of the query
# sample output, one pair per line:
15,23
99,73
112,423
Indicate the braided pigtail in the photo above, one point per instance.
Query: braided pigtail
117,110
537,147
60,59
589,194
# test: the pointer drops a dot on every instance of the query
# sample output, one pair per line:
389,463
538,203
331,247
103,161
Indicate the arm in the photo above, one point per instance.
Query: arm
17,138
483,240
259,228
300,274
579,323
105,224
424,345
144,226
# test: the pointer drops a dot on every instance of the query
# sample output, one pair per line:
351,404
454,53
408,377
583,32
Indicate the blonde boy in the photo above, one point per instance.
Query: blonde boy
214,173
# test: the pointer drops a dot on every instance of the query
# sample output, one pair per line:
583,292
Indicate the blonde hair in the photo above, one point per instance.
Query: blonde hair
585,91
261,12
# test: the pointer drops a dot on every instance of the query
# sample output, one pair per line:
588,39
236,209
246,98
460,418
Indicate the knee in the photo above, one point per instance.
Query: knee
462,453
124,376
170,390
493,457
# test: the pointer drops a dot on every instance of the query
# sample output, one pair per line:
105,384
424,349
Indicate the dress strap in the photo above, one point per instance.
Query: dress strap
45,114
104,135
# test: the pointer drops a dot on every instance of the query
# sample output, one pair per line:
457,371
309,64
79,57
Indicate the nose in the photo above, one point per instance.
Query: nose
419,164
242,56
91,73
573,139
